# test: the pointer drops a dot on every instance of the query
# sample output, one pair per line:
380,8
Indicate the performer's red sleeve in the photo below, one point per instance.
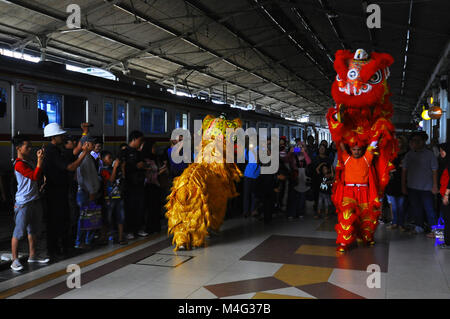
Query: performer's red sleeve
26,171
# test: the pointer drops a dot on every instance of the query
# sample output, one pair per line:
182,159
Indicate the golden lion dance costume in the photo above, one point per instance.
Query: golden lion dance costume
361,116
199,196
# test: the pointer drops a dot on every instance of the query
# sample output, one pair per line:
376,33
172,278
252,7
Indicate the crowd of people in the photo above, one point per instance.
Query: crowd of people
85,194
416,199
305,172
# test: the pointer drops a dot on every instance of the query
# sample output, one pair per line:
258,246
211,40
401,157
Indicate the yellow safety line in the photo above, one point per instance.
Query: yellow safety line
14,291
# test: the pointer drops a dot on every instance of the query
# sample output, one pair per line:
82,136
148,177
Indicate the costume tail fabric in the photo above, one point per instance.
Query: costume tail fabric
198,201
199,196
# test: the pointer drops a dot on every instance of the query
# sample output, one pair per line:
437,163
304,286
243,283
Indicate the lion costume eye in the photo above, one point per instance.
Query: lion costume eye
376,78
352,74
338,78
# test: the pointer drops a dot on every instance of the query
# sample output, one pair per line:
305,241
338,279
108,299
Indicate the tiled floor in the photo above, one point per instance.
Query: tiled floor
284,260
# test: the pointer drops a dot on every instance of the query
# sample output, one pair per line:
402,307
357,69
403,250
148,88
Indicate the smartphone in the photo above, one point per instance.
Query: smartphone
297,149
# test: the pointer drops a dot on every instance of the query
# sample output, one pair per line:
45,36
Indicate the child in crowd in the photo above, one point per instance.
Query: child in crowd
98,147
324,202
113,182
27,207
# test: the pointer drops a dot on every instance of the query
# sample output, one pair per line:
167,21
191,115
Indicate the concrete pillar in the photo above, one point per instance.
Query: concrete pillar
175,83
443,98
13,119
426,127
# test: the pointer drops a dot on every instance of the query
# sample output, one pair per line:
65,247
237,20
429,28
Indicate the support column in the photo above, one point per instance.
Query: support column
43,40
175,83
13,119
443,100
426,127
128,121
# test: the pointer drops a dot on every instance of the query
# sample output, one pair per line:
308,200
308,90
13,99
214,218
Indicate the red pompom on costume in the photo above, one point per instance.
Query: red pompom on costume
361,116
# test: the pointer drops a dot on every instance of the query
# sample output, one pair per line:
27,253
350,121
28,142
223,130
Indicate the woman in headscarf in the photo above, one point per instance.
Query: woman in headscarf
444,151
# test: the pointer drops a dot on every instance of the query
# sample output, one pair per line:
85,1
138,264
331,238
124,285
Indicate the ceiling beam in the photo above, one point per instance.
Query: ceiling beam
299,46
33,6
196,5
54,27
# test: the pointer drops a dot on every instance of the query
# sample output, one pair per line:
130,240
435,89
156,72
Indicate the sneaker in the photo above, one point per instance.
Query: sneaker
418,230
290,218
38,260
16,265
444,246
130,236
142,234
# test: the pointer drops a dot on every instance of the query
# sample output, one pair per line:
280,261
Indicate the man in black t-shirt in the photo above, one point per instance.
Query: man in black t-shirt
70,153
56,169
134,185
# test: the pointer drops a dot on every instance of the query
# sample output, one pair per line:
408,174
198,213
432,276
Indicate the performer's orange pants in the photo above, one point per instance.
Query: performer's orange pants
355,219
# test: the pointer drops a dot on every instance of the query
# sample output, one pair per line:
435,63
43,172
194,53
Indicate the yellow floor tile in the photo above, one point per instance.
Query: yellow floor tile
317,250
296,275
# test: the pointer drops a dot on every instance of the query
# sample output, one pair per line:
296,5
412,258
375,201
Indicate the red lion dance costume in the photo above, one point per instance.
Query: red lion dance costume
361,116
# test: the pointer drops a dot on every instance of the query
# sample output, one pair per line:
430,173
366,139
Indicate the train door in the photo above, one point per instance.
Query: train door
114,118
108,118
5,97
120,120
5,121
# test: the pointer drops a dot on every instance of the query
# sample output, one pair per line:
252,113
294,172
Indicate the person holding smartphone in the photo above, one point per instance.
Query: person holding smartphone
299,161
153,190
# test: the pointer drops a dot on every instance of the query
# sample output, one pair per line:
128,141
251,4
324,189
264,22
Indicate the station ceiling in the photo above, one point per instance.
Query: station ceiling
277,55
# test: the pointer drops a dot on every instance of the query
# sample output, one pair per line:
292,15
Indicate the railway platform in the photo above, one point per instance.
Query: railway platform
250,260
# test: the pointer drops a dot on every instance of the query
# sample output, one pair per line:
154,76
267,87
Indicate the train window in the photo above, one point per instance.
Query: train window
49,107
153,120
108,113
159,121
120,115
3,102
181,120
293,133
74,111
146,119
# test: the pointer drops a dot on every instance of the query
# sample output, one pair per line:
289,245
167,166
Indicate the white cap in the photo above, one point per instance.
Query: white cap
53,129
360,54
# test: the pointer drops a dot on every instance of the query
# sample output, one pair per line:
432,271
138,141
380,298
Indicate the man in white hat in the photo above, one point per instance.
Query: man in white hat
56,169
